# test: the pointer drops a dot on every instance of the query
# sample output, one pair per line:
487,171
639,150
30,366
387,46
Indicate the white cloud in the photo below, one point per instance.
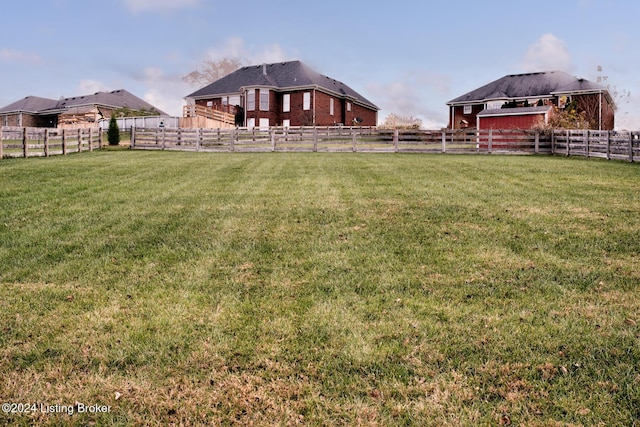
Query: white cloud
16,56
165,92
155,5
235,48
546,54
88,86
413,96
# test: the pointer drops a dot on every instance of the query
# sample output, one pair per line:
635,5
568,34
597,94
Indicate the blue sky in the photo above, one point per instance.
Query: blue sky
407,57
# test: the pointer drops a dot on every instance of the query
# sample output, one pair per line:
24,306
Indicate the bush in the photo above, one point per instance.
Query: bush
113,134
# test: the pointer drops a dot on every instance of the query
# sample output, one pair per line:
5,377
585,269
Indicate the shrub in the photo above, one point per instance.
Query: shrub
113,134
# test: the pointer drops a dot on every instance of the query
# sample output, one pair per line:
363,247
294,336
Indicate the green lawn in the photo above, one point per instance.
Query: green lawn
320,289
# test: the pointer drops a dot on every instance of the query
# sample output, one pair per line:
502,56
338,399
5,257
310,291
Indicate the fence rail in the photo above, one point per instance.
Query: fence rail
606,144
45,142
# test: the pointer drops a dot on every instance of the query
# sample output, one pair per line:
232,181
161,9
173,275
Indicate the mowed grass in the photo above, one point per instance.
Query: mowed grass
320,289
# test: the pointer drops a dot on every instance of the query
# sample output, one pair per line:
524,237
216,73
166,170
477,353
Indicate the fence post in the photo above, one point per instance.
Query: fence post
100,138
631,146
1,145
537,143
163,135
553,141
568,143
586,139
272,134
46,142
396,137
315,140
132,142
25,144
490,144
233,137
198,131
79,140
353,140
90,139
64,142
608,145
444,141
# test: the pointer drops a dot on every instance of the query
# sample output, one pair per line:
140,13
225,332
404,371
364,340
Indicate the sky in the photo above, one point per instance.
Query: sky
407,57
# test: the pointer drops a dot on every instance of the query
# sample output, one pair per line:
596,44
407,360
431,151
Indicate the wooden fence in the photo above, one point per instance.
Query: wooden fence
45,142
336,139
606,144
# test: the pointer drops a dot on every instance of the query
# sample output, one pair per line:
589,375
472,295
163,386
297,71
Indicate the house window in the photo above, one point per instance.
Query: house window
286,103
251,123
467,109
331,106
210,104
251,100
306,101
264,100
234,100
286,123
348,106
264,124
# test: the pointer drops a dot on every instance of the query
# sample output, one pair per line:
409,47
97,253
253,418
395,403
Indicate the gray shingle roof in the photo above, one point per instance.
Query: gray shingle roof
30,104
517,86
117,99
280,75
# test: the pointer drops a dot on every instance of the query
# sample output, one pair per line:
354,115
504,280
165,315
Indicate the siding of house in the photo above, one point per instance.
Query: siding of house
524,121
297,116
458,116
27,120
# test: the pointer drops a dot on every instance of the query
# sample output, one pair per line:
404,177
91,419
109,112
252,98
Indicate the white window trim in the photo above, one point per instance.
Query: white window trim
251,100
467,109
306,101
331,106
286,103
264,96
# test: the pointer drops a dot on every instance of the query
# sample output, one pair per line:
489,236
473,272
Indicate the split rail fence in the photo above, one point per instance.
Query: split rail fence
605,144
45,142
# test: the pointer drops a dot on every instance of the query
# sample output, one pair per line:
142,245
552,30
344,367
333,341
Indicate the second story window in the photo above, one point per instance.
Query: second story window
264,100
286,103
251,100
306,101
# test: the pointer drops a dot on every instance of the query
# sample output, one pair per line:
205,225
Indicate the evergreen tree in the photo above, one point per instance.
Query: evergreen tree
113,134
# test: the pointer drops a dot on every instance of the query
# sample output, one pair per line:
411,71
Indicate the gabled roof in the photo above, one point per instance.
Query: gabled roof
30,104
281,76
518,86
116,99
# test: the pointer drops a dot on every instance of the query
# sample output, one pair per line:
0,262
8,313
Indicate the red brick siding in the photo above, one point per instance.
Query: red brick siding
524,121
298,117
458,116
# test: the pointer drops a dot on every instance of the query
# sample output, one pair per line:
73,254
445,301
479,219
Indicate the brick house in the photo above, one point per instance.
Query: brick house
521,100
77,111
285,94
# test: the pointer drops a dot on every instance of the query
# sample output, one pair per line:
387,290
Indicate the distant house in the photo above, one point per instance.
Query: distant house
78,111
521,100
284,94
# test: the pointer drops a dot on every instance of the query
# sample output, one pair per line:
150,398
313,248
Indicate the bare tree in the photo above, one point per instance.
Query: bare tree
394,121
211,70
619,97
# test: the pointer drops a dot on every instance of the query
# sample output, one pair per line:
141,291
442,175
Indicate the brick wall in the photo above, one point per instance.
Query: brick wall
297,116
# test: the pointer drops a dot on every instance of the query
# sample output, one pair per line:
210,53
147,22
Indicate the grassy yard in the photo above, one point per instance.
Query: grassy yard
319,289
